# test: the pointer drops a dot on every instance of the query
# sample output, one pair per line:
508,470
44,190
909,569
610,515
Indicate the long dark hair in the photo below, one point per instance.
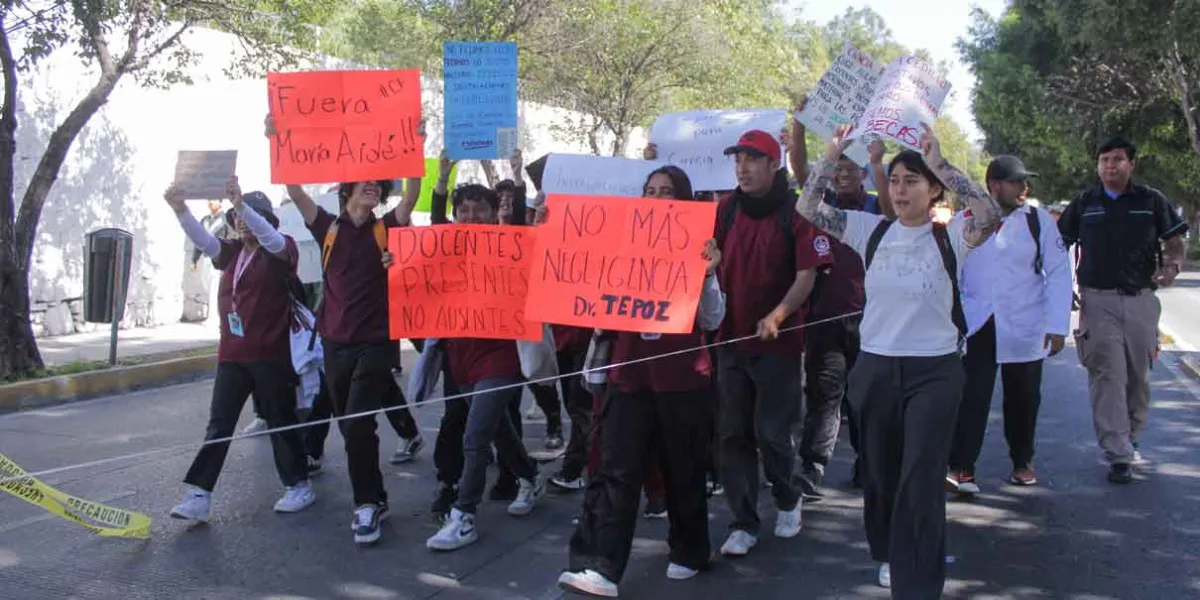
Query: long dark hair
679,181
913,161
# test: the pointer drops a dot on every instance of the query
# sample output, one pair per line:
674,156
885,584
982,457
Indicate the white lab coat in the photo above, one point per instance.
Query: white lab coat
998,281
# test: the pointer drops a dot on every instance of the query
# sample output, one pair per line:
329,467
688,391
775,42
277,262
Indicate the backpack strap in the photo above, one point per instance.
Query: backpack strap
327,244
942,236
1035,228
381,235
873,241
726,213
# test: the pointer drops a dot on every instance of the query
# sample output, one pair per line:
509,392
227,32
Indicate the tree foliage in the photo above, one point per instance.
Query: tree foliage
138,39
1057,76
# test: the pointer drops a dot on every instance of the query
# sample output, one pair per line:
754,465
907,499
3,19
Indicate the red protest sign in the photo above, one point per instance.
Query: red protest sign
460,281
620,264
335,126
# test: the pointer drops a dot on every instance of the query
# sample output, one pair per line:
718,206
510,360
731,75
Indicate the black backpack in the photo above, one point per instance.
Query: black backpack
949,261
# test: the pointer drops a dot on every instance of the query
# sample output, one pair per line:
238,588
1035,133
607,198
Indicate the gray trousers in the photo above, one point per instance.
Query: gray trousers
1116,340
906,410
488,421
760,405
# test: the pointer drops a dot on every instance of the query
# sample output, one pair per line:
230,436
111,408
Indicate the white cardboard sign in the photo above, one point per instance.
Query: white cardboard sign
587,175
842,96
695,141
910,93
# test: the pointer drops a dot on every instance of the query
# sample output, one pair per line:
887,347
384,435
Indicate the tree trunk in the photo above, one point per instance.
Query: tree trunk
18,351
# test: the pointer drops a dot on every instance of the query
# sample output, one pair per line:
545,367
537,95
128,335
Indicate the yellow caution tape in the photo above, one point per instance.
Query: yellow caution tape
101,520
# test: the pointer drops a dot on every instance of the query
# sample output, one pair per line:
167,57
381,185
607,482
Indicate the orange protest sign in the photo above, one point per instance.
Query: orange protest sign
620,264
460,281
335,126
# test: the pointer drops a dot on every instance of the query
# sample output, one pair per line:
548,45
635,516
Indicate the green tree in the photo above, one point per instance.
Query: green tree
127,39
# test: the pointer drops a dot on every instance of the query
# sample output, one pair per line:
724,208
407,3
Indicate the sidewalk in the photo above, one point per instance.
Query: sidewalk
141,341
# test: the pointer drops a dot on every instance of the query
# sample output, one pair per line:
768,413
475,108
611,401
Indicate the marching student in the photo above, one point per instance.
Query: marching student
656,409
489,370
254,353
353,323
1016,292
907,382
768,267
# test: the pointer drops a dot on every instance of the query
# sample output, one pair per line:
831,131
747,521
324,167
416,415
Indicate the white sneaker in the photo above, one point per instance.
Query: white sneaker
457,532
788,523
885,576
194,507
255,426
679,572
587,582
296,498
527,496
739,543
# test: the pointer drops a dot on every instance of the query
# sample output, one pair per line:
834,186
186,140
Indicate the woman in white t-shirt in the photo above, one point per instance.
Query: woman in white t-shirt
907,383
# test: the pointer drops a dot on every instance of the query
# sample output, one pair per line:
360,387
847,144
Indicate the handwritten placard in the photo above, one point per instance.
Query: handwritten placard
842,96
481,99
461,281
695,141
336,126
910,93
202,174
587,175
621,264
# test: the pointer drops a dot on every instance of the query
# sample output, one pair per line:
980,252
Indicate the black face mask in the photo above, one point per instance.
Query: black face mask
758,208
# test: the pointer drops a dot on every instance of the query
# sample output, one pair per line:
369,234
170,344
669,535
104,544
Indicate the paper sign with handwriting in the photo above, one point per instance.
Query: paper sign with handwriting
336,126
481,99
695,141
910,93
842,96
461,281
587,175
621,264
202,174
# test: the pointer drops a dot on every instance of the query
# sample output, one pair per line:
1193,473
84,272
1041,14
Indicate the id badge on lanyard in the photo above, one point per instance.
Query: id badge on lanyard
236,327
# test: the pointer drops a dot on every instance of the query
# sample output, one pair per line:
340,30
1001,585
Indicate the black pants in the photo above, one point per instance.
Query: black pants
760,403
359,378
906,409
830,350
400,418
546,397
274,387
579,408
1022,399
675,428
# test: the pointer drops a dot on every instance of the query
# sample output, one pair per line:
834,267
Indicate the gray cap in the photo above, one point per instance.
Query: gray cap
1008,168
259,203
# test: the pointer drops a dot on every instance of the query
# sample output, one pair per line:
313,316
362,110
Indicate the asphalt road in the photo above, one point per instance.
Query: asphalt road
1073,536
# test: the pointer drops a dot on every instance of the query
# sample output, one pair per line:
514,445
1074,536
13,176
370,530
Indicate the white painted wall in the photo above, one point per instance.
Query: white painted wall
118,167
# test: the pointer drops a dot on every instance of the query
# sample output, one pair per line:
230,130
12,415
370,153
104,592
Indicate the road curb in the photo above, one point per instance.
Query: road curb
104,382
1190,364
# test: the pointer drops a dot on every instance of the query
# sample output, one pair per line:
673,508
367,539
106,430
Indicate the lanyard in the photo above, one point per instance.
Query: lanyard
243,261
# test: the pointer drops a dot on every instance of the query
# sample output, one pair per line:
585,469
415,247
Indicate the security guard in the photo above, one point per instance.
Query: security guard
1130,244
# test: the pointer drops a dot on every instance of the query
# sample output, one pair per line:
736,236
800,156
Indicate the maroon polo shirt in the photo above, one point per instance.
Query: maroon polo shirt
756,275
571,339
354,306
260,299
473,360
840,285
683,372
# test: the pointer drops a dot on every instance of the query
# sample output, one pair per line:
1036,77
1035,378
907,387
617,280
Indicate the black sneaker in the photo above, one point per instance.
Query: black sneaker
554,441
812,475
656,508
504,490
312,465
1120,473
366,523
443,500
408,450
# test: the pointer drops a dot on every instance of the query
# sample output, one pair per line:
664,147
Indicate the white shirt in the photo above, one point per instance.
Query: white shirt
909,296
998,280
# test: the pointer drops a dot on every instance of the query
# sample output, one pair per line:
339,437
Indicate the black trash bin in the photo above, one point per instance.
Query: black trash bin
108,254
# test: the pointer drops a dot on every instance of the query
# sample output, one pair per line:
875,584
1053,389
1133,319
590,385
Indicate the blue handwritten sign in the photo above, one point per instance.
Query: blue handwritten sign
481,99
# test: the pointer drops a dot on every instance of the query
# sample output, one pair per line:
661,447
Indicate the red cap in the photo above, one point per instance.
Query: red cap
757,142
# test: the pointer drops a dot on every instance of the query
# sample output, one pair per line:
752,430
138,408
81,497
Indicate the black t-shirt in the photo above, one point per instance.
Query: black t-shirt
1120,239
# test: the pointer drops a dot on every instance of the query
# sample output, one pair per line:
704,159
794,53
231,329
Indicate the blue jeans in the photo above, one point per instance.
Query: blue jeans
488,421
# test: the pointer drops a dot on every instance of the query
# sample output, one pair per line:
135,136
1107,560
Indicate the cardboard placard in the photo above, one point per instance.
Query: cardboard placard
202,174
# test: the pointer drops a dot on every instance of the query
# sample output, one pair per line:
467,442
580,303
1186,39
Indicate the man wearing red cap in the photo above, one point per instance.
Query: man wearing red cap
770,257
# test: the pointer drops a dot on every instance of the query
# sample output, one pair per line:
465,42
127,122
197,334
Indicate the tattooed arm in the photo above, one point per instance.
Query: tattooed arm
985,212
811,204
